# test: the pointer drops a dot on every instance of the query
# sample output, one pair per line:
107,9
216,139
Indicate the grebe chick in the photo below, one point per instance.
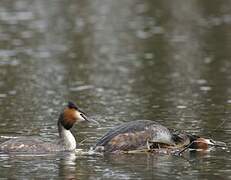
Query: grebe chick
147,134
66,141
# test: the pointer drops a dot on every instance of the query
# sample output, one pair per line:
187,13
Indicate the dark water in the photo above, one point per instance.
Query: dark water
118,60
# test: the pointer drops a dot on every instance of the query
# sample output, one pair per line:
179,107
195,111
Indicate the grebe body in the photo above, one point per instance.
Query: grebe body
134,135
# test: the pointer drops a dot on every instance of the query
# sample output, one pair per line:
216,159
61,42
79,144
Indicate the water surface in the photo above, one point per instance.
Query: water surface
119,61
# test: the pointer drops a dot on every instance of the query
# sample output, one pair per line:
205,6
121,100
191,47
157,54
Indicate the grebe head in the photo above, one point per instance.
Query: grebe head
203,143
71,115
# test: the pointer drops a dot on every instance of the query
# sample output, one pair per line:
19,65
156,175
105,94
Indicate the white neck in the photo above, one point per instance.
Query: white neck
67,138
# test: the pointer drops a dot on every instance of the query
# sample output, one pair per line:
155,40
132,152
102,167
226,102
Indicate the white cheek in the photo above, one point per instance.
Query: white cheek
79,117
209,142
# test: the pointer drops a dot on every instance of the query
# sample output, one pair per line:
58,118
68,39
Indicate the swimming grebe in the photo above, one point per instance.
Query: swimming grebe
66,142
147,134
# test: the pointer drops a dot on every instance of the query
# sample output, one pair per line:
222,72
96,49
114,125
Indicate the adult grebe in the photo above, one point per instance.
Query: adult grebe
147,134
66,142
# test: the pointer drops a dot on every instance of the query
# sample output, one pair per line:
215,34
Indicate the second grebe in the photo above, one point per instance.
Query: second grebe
147,134
66,142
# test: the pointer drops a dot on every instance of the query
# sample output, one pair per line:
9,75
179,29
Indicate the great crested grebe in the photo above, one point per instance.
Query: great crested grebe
66,142
147,134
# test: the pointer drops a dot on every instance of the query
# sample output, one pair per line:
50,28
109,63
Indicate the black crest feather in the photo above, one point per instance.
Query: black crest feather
72,105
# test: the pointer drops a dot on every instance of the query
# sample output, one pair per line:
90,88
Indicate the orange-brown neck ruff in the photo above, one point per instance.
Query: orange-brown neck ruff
69,118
